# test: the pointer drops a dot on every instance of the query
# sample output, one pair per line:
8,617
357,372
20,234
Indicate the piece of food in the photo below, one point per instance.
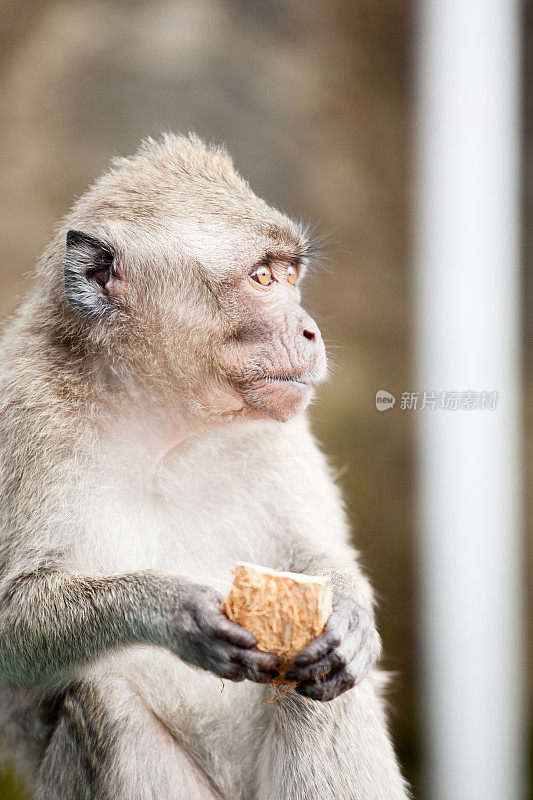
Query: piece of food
284,610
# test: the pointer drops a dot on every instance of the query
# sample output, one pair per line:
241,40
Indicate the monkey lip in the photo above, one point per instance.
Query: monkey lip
279,396
296,379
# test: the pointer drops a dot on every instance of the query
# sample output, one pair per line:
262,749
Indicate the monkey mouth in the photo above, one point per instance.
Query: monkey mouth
301,380
280,396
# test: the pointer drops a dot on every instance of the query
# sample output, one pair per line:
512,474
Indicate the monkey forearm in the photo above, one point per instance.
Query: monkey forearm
347,579
349,645
51,622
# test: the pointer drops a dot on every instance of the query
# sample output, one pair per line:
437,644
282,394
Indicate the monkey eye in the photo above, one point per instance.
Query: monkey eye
262,275
292,275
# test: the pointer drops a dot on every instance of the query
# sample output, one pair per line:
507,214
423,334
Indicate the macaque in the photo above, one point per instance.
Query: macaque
153,386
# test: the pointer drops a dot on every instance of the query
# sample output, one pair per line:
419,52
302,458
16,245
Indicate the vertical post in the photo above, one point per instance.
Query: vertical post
467,306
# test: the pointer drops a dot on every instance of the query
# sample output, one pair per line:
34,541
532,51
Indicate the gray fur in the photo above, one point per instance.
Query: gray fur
151,434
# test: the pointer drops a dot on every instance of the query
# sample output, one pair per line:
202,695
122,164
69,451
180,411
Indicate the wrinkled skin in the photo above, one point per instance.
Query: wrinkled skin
340,657
201,635
277,352
334,662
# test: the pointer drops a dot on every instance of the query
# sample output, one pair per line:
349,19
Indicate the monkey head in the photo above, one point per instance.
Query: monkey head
182,281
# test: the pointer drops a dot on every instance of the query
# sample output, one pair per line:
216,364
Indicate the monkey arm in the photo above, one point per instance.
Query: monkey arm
349,646
339,562
314,538
311,523
52,622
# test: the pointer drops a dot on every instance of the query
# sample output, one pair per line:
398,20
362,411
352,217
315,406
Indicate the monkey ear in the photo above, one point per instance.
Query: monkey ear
89,267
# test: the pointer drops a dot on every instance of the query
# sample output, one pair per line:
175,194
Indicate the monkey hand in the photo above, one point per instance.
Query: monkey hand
200,634
340,657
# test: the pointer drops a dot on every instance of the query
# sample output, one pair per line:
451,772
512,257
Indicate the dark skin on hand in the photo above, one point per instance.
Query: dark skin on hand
337,659
331,664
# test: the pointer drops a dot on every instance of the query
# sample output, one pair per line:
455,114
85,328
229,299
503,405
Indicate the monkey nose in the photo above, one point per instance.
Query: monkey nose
310,330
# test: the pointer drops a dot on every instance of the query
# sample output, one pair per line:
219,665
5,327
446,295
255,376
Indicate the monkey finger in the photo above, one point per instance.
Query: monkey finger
339,657
232,633
251,673
257,660
336,630
230,672
327,688
316,669
318,648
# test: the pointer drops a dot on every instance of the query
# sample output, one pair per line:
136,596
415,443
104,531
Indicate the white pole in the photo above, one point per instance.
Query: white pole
467,295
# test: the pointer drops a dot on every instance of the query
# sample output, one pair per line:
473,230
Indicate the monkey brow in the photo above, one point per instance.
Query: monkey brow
293,258
292,241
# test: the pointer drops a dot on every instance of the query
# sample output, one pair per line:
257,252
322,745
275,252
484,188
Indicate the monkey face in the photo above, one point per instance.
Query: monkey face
273,353
191,284
230,332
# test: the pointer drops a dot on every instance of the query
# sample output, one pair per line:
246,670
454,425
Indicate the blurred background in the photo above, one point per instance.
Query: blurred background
314,99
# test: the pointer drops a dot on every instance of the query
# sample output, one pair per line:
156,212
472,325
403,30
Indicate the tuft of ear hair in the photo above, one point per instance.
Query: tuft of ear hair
89,265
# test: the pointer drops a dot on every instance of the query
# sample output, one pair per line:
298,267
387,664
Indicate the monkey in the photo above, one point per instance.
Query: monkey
153,431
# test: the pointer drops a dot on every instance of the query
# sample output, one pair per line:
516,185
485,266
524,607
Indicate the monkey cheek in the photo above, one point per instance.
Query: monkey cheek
221,398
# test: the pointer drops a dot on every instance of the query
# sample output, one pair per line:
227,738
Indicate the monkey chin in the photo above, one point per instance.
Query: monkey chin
278,398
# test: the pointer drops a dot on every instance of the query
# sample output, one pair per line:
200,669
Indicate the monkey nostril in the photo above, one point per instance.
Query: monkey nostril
310,335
